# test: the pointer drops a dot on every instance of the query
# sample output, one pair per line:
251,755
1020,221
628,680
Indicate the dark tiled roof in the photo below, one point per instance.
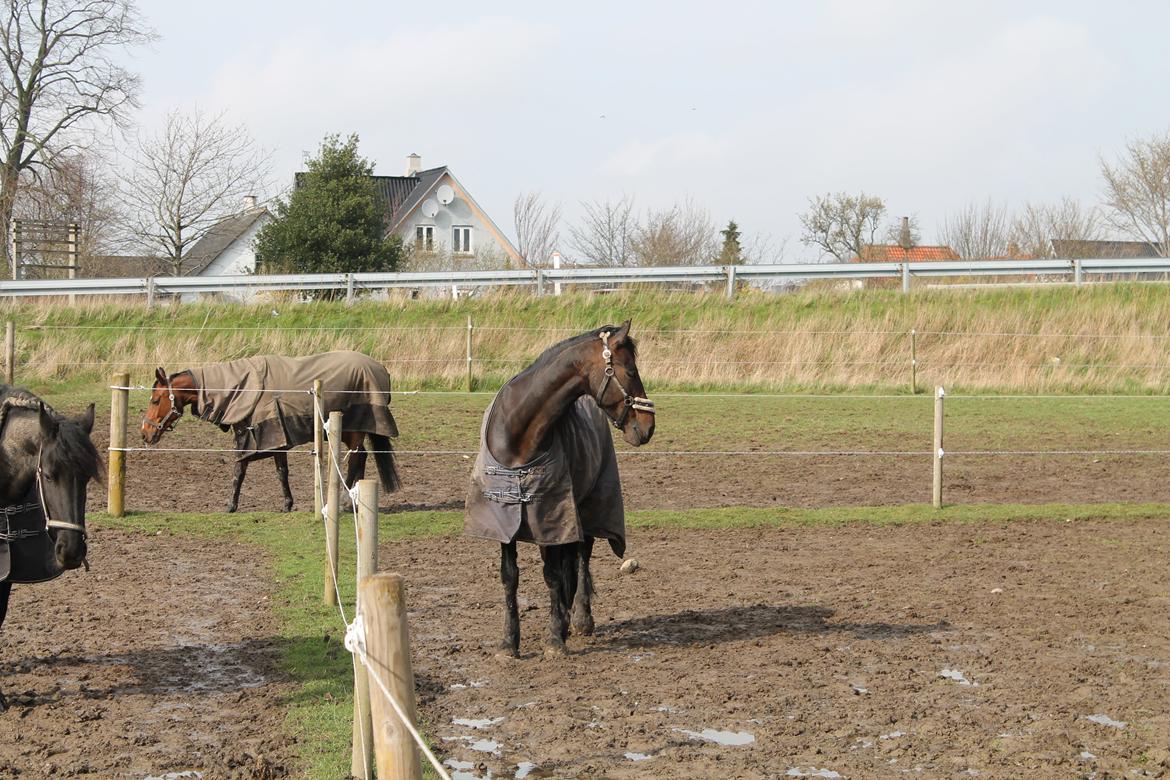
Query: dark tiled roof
119,266
1127,250
219,238
425,182
893,253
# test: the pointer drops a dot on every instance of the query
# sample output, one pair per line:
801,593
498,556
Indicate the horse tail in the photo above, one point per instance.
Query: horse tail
384,457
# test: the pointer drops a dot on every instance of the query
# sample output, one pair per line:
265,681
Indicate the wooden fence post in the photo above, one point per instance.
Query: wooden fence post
913,361
730,282
349,295
116,480
937,455
362,764
470,380
333,504
10,352
383,609
318,455
1078,272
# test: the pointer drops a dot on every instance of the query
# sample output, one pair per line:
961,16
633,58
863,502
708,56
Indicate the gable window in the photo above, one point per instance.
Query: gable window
461,240
424,237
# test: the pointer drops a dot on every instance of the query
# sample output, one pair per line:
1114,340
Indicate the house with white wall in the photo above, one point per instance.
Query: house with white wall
229,247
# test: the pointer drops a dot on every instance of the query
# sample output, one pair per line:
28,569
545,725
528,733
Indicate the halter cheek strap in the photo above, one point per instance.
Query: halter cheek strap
636,403
49,521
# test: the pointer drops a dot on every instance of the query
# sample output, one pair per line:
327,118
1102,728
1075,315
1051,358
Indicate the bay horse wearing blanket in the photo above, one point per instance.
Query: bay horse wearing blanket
266,402
46,462
547,471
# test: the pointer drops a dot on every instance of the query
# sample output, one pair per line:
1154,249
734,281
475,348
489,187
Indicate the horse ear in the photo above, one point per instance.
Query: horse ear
619,338
49,426
86,420
160,375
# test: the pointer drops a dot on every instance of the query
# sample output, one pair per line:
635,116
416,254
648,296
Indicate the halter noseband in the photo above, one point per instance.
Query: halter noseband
168,422
49,521
631,402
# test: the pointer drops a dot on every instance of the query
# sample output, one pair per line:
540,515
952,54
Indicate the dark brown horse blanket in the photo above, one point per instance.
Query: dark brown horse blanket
267,399
26,548
569,491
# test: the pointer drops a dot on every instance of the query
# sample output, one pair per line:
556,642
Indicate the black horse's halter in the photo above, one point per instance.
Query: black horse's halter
49,521
631,402
168,423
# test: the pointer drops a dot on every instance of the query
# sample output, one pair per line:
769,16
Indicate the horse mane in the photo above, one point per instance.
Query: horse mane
74,451
550,354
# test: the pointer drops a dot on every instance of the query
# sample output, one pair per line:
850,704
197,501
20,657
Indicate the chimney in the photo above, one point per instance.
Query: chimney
249,202
904,238
413,165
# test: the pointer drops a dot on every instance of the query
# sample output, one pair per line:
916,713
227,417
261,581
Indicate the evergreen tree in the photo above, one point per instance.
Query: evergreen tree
333,221
732,253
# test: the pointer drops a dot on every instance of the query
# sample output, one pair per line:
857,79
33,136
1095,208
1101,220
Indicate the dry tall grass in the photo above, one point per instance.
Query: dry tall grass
1104,338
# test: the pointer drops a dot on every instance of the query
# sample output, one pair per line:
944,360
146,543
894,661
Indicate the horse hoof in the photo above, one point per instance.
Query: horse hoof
287,508
583,627
554,649
231,508
506,651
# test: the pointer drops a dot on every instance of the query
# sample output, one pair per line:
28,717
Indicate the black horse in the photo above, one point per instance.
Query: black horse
46,462
547,470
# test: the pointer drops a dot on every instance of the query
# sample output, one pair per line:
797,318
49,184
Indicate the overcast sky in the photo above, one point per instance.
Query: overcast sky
748,108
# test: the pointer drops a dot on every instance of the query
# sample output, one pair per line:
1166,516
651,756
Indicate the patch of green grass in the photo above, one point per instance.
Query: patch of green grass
320,710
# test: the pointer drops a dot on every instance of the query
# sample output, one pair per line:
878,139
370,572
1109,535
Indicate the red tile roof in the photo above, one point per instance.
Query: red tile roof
892,253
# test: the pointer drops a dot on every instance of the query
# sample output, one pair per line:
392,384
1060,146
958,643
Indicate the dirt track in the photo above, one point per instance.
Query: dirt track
159,660
827,648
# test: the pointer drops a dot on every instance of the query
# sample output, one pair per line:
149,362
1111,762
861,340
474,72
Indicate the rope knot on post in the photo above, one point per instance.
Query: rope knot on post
355,637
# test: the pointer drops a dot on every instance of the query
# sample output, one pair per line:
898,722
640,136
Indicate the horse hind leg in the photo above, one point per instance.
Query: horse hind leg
560,575
237,483
510,576
583,600
281,461
5,591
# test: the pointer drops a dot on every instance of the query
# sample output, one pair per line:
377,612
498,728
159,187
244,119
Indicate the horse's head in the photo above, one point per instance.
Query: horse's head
66,461
164,409
614,380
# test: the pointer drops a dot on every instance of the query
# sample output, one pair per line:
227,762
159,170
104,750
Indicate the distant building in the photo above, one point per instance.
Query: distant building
433,212
1121,250
893,253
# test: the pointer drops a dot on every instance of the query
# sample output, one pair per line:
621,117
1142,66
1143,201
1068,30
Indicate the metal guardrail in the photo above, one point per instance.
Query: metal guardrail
540,279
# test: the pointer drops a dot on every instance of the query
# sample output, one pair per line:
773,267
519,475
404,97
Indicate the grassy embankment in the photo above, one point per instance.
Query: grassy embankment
1095,339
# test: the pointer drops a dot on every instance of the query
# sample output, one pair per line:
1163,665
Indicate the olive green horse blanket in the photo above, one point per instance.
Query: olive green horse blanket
267,399
569,491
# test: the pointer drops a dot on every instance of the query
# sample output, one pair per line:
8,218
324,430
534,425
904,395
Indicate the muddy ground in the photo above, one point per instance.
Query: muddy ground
160,660
1031,649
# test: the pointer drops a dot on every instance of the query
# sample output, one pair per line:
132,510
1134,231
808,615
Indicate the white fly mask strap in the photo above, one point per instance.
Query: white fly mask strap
631,402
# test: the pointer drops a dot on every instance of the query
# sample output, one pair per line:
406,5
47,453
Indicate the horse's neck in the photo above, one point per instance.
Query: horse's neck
20,435
528,406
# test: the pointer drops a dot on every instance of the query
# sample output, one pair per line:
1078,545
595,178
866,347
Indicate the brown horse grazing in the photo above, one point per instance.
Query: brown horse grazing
547,471
263,401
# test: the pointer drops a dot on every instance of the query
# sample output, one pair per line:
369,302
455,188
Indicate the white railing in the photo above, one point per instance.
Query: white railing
541,279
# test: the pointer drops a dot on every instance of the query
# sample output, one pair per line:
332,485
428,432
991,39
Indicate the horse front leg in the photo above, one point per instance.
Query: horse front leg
241,470
583,601
281,461
510,576
560,575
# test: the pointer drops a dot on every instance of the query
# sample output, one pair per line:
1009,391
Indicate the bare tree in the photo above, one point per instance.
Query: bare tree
978,231
59,73
1137,191
76,190
187,178
764,249
842,224
1037,225
537,226
606,233
904,232
682,234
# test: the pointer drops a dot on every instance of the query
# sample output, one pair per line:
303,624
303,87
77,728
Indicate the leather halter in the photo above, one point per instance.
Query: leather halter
636,403
173,416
